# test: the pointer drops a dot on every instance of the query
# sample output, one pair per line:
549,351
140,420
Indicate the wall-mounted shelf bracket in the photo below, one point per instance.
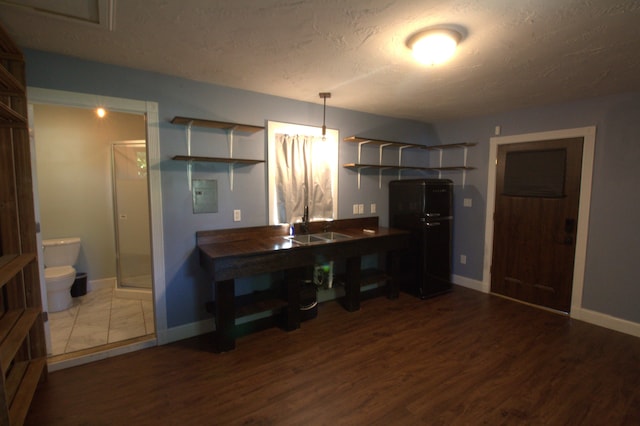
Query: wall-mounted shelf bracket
401,147
190,163
230,129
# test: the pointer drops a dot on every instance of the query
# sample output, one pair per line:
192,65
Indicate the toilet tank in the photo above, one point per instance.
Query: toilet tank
61,251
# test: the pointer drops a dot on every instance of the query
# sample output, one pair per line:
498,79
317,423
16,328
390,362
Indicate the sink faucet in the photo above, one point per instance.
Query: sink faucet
305,219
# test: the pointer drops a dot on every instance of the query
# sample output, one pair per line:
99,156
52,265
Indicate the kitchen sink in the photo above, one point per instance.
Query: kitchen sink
332,236
307,239
324,237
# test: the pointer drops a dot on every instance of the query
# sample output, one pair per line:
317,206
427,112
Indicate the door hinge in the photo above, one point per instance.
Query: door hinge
45,316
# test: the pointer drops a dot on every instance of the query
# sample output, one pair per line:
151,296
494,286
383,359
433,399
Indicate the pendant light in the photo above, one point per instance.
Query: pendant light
324,95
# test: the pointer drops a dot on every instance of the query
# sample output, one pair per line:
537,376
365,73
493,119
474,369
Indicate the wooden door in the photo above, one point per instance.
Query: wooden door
535,221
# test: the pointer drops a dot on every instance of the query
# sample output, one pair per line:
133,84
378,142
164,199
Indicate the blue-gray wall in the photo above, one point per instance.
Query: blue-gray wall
611,283
611,286
187,285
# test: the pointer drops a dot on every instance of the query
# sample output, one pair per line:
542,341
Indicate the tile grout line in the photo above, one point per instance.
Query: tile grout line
75,318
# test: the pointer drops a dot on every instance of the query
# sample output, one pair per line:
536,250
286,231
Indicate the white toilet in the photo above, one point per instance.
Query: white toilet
60,255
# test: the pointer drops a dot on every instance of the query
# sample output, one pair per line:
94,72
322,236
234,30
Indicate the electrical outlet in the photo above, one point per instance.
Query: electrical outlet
237,215
463,259
373,208
355,209
360,208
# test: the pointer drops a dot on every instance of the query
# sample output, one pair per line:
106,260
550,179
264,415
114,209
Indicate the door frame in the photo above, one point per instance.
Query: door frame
150,110
586,176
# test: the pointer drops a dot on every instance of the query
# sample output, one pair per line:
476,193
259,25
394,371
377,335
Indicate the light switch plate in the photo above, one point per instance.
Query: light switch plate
467,202
237,215
373,208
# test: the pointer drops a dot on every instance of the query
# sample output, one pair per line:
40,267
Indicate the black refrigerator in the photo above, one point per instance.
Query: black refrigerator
425,208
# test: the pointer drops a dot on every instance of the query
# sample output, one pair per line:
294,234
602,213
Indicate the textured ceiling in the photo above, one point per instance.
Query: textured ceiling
515,53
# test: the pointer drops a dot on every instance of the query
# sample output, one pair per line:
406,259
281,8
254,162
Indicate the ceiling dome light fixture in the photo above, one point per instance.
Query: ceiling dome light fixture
434,46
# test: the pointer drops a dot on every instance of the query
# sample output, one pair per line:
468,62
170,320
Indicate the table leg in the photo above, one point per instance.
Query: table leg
224,337
293,281
394,270
351,301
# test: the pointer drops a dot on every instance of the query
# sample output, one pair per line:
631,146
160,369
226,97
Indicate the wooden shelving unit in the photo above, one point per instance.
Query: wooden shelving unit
401,146
22,344
230,128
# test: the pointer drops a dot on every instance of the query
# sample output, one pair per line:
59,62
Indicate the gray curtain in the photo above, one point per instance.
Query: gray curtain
303,178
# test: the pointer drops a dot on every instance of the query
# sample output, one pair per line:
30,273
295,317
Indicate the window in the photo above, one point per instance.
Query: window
537,173
303,171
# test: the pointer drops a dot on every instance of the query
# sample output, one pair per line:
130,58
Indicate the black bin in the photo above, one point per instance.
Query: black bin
79,286
308,300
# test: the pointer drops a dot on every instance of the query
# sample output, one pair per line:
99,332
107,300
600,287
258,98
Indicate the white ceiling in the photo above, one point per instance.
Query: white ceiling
515,53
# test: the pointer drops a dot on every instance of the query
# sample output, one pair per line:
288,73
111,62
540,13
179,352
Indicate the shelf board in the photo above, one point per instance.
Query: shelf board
449,146
246,128
253,303
359,139
383,166
367,276
21,384
216,159
11,264
16,324
9,83
11,118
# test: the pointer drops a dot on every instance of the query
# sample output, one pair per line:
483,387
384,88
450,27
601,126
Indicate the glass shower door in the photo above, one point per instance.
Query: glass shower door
131,210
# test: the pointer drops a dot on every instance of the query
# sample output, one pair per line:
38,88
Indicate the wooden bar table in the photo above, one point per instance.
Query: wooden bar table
229,254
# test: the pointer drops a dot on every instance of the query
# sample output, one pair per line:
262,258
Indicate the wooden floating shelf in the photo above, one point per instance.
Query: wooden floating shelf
359,139
247,128
216,159
384,166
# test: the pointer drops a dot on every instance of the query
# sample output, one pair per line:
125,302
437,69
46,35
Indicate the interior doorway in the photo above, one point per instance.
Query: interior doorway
150,112
587,135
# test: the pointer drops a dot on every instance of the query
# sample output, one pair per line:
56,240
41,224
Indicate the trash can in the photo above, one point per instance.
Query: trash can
308,300
79,286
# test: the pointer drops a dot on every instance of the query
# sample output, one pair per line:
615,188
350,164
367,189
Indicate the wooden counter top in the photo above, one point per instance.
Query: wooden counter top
234,253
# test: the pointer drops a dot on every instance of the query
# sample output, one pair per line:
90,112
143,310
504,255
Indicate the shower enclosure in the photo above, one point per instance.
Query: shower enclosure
131,217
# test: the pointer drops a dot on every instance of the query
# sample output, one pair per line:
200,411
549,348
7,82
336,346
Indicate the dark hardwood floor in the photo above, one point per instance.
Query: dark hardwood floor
463,358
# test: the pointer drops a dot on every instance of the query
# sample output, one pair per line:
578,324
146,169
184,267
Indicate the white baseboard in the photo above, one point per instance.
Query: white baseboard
186,331
470,283
101,283
606,321
582,314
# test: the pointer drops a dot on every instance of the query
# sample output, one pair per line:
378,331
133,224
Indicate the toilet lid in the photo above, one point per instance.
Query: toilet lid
58,271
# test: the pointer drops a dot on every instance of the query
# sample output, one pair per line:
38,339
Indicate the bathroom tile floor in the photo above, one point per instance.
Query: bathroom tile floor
99,318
